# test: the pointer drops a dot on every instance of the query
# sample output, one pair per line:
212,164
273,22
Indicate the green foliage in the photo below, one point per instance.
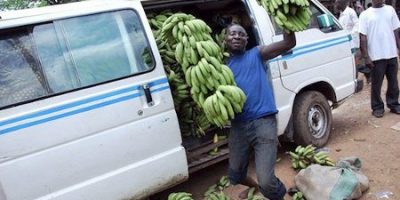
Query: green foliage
22,4
17,4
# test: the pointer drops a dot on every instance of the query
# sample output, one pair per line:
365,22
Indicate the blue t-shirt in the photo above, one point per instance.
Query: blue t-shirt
250,75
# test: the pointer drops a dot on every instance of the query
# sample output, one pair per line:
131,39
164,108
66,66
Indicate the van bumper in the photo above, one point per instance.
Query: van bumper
359,85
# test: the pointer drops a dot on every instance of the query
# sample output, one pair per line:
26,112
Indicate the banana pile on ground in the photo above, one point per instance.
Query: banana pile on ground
223,183
217,196
290,15
322,158
298,196
251,196
201,61
215,192
305,156
180,196
192,118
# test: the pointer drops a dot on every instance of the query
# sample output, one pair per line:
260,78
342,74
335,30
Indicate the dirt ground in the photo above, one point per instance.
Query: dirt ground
355,133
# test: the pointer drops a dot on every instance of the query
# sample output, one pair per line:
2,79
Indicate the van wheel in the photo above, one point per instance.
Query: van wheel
312,119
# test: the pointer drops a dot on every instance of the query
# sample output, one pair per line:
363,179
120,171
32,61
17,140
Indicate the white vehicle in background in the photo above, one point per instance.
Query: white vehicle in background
83,116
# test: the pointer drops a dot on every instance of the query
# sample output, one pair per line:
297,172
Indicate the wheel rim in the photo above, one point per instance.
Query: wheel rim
317,118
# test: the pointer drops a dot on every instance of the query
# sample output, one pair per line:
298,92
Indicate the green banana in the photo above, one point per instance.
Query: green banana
293,155
199,62
179,52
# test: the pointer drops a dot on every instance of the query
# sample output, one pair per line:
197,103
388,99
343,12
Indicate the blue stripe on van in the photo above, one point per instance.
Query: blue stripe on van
313,47
78,103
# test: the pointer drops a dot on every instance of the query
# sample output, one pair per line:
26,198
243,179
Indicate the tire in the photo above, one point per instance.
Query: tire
312,119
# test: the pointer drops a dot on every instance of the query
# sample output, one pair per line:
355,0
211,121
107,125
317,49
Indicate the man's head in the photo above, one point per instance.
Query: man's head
236,38
377,3
341,4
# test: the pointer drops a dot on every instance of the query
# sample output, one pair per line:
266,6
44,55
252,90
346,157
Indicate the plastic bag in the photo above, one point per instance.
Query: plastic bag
344,181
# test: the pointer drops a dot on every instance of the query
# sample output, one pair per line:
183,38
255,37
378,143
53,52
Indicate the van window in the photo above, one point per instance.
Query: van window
313,21
68,54
20,76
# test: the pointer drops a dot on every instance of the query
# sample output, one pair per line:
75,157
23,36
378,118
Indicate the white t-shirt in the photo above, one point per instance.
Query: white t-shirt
378,25
349,21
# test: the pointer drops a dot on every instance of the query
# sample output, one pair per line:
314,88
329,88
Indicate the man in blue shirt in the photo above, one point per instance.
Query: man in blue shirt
255,128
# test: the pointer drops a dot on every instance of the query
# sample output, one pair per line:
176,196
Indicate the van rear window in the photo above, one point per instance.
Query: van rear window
46,59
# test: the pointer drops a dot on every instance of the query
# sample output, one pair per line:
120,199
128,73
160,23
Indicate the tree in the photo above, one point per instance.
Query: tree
22,4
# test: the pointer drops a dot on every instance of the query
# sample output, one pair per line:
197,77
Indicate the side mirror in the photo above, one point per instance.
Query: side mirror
325,21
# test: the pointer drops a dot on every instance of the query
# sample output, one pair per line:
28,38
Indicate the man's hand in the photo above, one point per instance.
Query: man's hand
364,51
277,48
369,62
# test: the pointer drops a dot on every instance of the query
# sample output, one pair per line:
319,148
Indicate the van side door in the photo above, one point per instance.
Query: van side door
86,110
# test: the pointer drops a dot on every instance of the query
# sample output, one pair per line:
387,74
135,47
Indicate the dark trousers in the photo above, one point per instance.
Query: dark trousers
261,136
388,67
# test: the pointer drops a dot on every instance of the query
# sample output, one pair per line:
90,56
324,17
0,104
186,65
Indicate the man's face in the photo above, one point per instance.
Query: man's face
340,5
377,3
236,39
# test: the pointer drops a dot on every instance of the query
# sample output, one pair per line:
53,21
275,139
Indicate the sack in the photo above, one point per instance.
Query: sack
343,181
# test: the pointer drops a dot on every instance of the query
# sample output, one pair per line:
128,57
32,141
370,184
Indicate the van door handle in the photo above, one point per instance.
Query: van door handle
284,63
147,93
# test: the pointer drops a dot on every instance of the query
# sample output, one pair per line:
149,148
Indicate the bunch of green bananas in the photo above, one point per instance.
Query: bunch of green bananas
302,156
184,31
298,196
166,50
222,106
180,196
220,40
290,15
217,196
223,183
215,192
205,77
305,156
180,90
252,196
156,20
201,61
192,118
322,158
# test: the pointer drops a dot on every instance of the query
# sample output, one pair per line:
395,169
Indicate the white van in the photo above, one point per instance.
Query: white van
82,116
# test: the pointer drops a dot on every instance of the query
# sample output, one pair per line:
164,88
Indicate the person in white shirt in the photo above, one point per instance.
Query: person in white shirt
357,6
348,19
378,27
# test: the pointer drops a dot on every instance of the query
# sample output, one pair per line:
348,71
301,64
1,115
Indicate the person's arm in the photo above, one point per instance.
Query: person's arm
364,50
277,48
396,35
396,28
354,19
363,29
